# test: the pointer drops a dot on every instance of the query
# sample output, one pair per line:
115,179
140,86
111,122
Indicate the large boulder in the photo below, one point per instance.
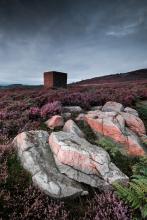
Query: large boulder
123,127
37,158
82,161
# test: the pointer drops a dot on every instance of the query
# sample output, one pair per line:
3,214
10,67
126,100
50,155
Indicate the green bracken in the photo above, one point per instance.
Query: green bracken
135,194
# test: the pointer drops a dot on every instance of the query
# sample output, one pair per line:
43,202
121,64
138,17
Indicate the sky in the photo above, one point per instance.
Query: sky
84,38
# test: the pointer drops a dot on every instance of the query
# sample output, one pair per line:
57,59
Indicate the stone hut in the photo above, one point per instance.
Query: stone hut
53,79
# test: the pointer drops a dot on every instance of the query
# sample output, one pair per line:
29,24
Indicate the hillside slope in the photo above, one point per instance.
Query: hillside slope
120,77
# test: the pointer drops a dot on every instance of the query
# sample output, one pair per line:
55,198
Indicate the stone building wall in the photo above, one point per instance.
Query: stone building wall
55,79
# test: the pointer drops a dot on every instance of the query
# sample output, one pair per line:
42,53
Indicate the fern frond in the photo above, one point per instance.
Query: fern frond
138,190
144,211
141,183
135,193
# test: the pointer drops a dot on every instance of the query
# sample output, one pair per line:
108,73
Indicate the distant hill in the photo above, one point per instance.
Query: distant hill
136,75
11,86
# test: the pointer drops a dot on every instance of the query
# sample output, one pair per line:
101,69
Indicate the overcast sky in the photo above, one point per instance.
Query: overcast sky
85,38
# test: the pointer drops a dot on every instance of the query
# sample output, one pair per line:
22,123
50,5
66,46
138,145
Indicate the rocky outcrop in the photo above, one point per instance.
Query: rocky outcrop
55,122
71,127
61,167
123,127
60,164
82,161
37,158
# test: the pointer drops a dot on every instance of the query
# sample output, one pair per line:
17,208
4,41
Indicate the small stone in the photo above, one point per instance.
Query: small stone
112,106
55,121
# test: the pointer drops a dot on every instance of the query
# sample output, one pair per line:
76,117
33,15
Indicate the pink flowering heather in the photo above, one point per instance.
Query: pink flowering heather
3,115
34,113
107,206
5,150
50,109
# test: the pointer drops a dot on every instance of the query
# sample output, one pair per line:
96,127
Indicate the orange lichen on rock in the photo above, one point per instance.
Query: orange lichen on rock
123,127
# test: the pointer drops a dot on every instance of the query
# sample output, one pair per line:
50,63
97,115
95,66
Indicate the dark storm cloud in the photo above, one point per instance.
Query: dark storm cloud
83,37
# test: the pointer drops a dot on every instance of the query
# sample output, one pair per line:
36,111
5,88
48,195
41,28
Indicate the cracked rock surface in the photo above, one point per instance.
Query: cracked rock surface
37,158
82,161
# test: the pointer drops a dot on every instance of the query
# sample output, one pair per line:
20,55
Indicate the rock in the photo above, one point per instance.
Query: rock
66,115
134,145
113,129
99,114
113,125
82,161
80,117
55,121
134,123
37,158
120,122
70,126
131,111
73,109
112,106
105,123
